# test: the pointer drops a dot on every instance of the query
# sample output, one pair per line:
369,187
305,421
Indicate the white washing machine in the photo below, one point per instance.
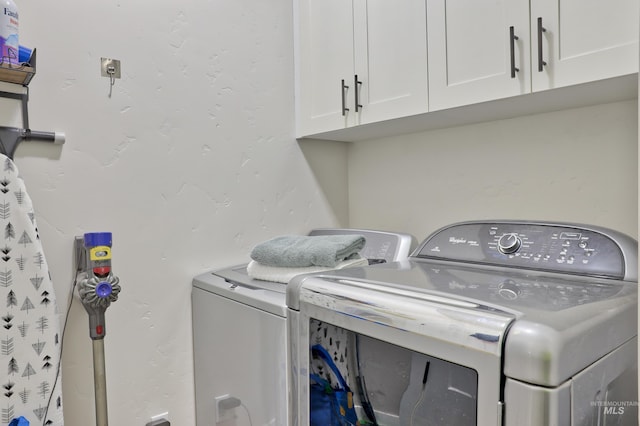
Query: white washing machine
241,343
487,323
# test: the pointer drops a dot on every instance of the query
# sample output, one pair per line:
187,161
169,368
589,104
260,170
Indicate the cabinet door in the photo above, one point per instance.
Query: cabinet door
390,49
325,57
584,40
470,50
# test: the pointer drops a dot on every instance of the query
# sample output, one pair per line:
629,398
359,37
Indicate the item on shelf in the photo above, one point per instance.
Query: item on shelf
24,54
9,32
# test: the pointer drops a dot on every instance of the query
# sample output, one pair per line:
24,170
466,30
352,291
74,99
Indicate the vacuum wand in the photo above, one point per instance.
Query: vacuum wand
97,289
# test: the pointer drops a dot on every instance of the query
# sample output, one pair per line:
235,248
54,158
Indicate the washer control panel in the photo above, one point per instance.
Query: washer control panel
563,248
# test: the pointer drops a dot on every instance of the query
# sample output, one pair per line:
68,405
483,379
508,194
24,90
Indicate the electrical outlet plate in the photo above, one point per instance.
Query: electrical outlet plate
223,414
110,68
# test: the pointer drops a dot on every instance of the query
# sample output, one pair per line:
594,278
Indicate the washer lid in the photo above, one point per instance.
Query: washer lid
234,283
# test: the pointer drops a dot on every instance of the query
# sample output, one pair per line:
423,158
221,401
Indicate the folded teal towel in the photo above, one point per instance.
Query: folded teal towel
301,251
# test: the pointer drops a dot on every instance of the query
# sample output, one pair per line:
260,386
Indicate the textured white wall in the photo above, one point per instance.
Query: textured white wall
192,161
189,163
578,165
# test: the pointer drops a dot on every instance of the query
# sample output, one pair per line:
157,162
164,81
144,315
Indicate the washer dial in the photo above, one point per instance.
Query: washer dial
509,243
509,290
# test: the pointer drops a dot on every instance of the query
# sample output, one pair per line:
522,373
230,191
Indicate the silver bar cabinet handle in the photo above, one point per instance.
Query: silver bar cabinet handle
343,89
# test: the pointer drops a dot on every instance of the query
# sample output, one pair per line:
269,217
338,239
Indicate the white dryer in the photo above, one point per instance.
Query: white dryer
240,338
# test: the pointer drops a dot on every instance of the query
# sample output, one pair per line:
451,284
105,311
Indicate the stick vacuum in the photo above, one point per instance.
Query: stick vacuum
97,289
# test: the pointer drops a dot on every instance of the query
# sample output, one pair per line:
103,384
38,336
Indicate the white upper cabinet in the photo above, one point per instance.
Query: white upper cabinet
360,61
471,51
474,58
361,65
325,58
390,58
582,41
